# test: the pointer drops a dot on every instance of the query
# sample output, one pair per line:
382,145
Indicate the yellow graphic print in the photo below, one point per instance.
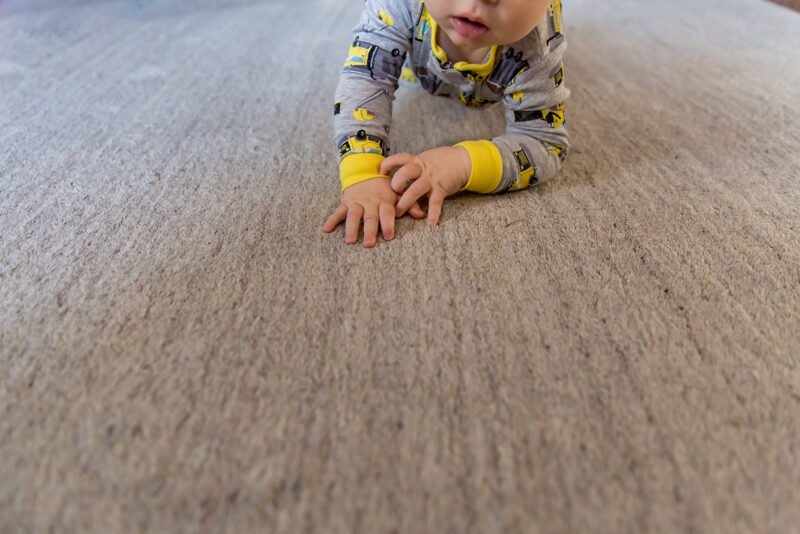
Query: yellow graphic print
386,18
362,114
558,77
472,76
469,99
554,24
358,56
408,76
517,96
555,7
424,23
555,150
355,145
526,171
513,81
554,116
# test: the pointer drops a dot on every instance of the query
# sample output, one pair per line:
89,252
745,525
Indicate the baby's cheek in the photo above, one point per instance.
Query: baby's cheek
521,18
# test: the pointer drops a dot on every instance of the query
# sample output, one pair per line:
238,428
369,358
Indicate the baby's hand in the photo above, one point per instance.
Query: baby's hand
439,172
374,201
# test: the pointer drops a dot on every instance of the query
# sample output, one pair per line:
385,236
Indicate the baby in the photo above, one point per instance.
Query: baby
478,51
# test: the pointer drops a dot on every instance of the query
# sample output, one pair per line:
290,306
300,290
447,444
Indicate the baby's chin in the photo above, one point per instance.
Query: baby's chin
506,38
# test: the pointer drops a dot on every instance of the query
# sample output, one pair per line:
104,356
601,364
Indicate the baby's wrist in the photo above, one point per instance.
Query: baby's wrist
356,168
486,166
466,164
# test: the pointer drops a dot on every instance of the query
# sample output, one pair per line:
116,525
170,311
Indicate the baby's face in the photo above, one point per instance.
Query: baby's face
499,21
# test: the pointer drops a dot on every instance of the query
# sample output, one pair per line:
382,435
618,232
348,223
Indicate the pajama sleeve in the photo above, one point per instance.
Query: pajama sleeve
535,144
365,92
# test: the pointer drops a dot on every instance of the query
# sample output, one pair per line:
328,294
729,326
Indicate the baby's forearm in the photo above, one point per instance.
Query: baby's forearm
528,159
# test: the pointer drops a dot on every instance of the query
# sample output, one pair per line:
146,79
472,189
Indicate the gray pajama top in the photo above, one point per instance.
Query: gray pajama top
527,76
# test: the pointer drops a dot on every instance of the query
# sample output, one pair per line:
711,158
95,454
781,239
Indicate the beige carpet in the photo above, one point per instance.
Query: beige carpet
182,349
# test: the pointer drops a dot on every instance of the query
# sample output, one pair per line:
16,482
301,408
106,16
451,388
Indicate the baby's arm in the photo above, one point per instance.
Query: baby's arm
536,141
362,117
533,148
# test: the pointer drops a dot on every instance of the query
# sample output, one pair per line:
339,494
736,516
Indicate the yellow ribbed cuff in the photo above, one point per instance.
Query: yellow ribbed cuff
487,166
356,168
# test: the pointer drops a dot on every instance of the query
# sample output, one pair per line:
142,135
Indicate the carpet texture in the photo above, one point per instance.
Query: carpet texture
182,349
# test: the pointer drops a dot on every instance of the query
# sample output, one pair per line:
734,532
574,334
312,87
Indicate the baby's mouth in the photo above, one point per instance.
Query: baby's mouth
468,28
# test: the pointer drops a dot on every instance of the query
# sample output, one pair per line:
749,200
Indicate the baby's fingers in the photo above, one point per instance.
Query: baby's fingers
395,160
435,206
353,222
416,211
335,218
407,173
409,198
370,226
387,220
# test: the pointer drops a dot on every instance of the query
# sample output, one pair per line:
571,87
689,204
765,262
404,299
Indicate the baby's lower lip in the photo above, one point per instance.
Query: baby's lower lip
467,28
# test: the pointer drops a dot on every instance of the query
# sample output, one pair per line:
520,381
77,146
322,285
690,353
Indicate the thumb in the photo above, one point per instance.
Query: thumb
394,161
